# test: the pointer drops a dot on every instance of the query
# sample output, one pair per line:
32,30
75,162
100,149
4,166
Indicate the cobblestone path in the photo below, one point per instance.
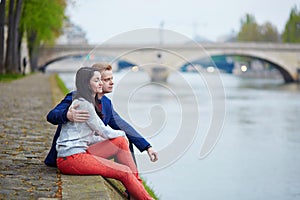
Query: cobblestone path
25,138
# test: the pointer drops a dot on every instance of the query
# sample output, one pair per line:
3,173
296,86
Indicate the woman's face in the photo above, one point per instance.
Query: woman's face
96,83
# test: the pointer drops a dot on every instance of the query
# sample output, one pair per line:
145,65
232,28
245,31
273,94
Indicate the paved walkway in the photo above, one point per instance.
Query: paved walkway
25,138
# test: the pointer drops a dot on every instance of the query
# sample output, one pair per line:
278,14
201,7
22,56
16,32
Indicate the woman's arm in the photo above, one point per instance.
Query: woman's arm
96,124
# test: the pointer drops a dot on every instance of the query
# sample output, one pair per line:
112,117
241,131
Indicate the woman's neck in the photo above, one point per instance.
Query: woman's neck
99,96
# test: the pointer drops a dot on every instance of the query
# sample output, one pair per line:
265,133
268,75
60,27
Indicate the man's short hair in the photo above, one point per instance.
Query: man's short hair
102,66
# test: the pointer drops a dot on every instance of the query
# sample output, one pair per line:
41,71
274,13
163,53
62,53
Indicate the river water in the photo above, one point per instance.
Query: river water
257,148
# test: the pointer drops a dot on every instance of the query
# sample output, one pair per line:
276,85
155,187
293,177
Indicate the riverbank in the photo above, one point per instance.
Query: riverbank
25,139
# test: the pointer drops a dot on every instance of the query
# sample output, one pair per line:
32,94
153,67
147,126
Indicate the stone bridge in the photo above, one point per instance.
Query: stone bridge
160,60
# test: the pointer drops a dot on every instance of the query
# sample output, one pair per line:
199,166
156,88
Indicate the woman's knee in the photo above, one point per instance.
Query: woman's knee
121,141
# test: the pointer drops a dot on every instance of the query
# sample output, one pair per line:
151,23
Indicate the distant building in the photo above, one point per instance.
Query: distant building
231,37
200,39
72,34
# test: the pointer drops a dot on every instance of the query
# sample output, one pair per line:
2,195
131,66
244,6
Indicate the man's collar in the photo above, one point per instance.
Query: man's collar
99,96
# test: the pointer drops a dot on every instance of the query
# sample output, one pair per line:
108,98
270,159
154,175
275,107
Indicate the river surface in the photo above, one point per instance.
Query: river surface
257,142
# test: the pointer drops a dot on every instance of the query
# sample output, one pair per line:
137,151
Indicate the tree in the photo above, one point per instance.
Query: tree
42,22
269,33
291,32
2,26
39,21
249,29
12,63
253,32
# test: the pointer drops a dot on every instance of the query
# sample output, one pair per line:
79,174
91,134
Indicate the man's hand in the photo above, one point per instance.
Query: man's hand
74,115
152,154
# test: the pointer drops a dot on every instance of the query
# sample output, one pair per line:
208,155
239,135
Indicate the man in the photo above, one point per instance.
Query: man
62,114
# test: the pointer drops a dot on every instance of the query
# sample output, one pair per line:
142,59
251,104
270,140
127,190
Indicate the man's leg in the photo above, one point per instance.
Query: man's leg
132,152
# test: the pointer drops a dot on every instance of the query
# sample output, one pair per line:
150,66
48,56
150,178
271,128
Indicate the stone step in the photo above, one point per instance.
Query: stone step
88,187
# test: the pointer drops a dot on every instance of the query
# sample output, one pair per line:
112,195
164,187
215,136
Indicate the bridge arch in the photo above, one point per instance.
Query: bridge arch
280,66
286,57
44,66
128,62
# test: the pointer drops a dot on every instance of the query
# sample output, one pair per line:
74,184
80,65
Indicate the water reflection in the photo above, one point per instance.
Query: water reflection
257,156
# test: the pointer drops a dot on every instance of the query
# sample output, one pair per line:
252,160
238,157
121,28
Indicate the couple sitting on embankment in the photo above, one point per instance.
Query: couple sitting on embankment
83,143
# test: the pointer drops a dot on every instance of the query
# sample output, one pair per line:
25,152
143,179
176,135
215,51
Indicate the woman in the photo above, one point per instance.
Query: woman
84,148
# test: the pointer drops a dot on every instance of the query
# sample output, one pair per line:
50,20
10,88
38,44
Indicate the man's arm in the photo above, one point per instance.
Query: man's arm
133,136
63,113
117,122
58,115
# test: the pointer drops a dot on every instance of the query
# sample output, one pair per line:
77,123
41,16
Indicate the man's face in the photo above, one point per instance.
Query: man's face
107,80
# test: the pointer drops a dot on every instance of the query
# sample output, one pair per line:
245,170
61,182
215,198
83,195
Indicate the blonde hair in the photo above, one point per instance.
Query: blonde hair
102,67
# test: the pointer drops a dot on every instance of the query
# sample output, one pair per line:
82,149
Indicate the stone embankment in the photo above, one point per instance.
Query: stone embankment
25,138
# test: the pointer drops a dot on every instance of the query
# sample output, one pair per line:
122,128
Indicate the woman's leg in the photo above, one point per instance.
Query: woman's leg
87,164
115,147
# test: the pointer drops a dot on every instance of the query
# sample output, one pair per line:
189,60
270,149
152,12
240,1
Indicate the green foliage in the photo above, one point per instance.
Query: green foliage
43,18
291,32
253,32
10,77
249,19
150,191
120,187
269,33
61,84
41,21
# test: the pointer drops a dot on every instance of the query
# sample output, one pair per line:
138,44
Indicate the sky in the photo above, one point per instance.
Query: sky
211,19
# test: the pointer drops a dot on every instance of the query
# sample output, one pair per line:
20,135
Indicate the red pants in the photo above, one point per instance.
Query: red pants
95,162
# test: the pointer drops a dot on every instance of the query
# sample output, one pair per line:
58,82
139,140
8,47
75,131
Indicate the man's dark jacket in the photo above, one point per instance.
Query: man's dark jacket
58,116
